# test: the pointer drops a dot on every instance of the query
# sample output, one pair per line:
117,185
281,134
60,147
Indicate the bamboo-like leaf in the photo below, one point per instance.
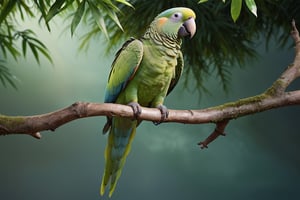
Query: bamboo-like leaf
252,6
3,70
6,9
54,9
87,37
9,78
125,3
34,51
24,46
42,8
36,46
6,76
98,18
102,24
115,18
35,40
202,1
21,11
2,80
107,4
44,52
26,8
12,50
236,6
22,6
3,49
77,16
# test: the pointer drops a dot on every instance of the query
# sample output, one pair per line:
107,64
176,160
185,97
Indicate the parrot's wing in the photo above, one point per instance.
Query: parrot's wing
124,66
177,73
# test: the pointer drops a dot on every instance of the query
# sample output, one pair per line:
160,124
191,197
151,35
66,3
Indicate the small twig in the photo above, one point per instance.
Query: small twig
296,37
295,32
219,130
36,135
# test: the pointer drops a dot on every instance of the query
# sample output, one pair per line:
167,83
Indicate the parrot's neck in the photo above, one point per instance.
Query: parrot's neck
169,41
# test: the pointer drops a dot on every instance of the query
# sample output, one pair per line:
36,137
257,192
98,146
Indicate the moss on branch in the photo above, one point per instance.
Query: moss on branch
10,122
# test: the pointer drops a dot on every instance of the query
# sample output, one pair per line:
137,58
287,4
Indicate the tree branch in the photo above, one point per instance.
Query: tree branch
50,121
274,97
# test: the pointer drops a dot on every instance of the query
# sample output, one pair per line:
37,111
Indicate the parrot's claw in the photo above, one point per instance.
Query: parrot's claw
137,109
164,114
107,125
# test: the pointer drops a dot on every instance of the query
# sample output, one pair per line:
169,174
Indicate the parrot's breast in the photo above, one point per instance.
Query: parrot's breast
155,73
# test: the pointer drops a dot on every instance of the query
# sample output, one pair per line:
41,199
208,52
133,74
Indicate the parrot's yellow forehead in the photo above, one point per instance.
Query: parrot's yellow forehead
186,12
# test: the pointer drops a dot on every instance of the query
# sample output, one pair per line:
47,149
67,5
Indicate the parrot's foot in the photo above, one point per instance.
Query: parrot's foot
164,114
137,109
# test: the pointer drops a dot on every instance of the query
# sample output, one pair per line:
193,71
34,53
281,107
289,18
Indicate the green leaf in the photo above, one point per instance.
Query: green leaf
34,51
36,46
252,6
87,37
77,16
26,8
202,1
115,18
7,7
236,6
23,6
24,46
10,79
12,50
54,9
42,8
7,76
45,53
36,41
125,3
3,50
98,18
21,12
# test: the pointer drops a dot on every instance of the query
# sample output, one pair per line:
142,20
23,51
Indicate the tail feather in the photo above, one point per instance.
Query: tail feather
118,147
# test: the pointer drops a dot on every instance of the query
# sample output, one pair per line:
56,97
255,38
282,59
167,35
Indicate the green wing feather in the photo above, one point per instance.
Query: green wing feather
126,63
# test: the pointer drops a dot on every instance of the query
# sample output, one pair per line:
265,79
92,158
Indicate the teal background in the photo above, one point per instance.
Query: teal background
258,159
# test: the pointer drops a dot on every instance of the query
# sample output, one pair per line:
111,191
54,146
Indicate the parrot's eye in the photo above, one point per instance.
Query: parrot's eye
176,16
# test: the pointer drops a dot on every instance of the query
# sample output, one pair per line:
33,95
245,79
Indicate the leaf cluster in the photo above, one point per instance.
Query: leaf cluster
11,36
93,11
236,7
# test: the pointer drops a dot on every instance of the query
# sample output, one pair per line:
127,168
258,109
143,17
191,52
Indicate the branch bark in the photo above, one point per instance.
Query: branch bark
274,97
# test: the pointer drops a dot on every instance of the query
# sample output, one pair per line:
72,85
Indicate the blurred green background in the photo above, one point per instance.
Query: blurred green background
258,159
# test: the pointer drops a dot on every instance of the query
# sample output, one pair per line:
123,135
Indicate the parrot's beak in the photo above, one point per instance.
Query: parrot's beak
188,28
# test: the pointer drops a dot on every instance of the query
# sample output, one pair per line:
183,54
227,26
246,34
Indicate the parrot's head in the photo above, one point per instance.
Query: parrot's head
176,22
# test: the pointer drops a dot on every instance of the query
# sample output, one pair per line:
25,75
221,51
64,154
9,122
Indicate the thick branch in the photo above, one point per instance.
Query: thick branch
51,121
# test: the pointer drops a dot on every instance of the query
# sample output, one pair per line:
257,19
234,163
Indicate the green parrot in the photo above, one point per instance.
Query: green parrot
143,73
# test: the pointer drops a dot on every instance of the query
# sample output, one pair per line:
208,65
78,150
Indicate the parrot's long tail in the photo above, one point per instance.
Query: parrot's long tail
119,142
